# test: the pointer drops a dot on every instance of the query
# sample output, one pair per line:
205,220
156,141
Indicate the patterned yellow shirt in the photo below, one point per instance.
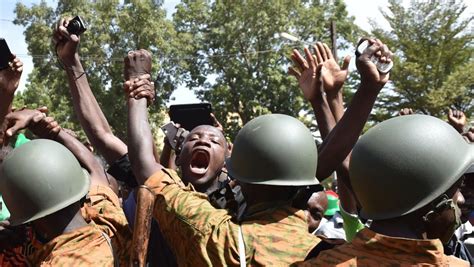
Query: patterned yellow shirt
89,245
371,249
200,235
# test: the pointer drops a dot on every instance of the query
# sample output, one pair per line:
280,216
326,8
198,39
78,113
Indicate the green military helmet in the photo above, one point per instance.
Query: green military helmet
274,149
39,178
405,163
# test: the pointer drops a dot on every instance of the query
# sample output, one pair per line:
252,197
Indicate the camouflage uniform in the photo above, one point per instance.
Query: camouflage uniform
201,235
89,245
371,249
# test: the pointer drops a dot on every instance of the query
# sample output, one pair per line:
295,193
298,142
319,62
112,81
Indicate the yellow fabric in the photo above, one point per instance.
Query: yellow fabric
371,249
200,235
87,246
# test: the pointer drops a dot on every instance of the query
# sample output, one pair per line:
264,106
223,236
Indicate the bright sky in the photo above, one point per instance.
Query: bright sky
362,10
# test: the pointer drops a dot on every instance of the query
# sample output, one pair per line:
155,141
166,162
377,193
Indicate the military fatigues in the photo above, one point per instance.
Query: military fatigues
199,234
91,245
371,249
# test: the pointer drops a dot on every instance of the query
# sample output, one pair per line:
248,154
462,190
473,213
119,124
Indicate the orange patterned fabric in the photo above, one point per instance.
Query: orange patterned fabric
88,246
275,234
371,249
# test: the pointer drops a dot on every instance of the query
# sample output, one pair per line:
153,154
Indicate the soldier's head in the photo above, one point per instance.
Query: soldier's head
43,183
272,156
410,168
202,156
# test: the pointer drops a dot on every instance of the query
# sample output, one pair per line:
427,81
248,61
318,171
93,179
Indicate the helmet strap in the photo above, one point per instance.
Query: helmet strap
443,203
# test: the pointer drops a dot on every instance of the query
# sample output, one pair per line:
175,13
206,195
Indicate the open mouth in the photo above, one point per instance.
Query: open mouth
199,162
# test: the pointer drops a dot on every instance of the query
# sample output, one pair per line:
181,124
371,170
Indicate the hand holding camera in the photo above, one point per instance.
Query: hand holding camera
66,38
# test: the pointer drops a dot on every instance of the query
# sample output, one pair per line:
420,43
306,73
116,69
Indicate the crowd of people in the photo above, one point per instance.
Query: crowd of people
403,195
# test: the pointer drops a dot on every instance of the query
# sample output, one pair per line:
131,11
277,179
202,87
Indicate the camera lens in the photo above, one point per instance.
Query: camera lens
74,26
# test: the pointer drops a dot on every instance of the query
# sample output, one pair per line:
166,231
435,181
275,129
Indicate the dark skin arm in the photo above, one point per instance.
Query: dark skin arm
85,105
45,127
9,81
343,137
140,141
308,73
332,78
168,156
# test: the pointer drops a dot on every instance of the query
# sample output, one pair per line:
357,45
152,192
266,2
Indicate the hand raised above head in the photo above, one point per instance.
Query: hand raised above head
375,51
333,76
140,87
457,119
65,43
137,63
10,77
406,111
307,71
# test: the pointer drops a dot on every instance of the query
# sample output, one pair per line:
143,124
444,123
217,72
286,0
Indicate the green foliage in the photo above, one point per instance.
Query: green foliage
113,30
433,65
236,62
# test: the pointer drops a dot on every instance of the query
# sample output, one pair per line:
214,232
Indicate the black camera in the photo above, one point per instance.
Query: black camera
76,26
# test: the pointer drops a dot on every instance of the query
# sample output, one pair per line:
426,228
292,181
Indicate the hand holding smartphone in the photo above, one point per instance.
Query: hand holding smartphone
191,115
382,67
5,55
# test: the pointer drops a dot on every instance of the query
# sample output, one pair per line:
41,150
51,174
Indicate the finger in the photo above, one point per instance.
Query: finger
309,58
38,117
43,109
13,130
450,113
140,83
371,50
318,55
322,51
299,58
293,72
127,85
144,77
296,64
145,94
141,89
328,51
345,63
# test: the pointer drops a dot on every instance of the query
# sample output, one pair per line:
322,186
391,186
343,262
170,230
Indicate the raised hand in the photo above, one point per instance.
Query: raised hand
333,76
10,77
307,73
405,111
368,70
469,135
66,43
137,63
457,119
140,87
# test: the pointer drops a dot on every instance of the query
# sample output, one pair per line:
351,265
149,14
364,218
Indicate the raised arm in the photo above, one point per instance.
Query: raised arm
308,73
343,137
457,119
47,128
9,81
85,105
142,159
